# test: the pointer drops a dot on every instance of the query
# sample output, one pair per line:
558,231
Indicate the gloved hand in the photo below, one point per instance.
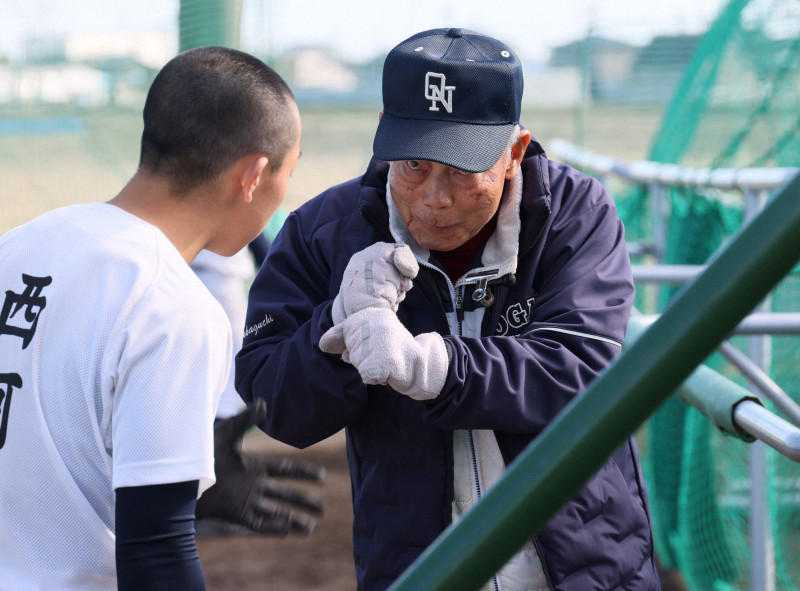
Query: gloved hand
378,276
384,352
245,492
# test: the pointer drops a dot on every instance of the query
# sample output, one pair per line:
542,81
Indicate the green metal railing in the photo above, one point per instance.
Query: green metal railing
587,432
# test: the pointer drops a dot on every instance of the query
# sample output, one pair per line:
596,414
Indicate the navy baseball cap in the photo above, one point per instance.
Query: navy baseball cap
450,96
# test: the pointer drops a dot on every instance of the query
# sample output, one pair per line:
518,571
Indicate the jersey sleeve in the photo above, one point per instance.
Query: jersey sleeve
175,360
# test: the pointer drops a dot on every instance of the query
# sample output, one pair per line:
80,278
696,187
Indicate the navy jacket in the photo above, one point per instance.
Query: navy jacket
573,280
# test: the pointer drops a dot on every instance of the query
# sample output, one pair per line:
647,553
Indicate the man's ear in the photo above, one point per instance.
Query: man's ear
252,167
518,153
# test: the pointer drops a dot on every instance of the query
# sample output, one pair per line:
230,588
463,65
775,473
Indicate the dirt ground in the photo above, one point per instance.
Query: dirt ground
321,561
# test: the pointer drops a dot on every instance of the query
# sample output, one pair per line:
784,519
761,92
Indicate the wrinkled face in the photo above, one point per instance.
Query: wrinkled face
444,207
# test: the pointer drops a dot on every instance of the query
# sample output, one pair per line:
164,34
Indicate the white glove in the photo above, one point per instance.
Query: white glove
384,352
378,276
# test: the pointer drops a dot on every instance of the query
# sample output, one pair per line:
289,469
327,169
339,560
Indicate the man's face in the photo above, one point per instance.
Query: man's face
274,184
444,207
248,217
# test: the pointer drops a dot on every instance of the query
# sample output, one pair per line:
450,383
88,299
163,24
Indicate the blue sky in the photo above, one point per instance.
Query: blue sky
359,30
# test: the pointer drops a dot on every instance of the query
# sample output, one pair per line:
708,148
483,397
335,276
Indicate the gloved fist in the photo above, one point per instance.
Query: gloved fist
378,276
384,352
246,493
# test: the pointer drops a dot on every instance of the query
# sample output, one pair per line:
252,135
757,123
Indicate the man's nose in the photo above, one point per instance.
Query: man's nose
438,194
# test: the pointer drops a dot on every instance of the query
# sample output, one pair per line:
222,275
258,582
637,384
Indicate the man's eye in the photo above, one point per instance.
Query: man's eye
413,164
463,172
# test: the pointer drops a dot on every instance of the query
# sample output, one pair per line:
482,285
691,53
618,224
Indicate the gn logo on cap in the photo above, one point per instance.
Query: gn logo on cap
436,91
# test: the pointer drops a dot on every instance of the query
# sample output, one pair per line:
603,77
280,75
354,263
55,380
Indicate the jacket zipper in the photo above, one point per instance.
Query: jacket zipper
478,491
476,472
459,302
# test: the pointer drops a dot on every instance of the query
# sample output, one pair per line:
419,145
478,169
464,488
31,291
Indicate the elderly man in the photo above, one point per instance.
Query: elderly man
442,309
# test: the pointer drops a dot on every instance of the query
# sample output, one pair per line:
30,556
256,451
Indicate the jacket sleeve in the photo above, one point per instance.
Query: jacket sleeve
310,395
575,313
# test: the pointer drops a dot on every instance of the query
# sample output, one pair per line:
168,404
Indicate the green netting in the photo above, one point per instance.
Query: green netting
736,107
709,545
210,22
738,103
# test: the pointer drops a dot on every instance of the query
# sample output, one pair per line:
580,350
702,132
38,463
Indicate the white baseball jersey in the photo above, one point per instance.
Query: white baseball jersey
112,359
228,279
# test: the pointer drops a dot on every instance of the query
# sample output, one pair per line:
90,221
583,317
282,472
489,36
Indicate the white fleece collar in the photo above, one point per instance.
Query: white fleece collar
501,249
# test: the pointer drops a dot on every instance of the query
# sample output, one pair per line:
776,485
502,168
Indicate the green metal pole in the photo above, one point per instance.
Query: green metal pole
594,425
210,22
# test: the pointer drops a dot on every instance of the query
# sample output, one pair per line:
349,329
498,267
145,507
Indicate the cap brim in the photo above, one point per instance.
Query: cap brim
467,147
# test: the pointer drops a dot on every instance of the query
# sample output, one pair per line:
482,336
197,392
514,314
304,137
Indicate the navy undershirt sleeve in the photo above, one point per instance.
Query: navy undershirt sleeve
155,538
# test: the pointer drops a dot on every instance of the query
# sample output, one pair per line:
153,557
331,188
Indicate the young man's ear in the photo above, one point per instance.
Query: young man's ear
252,167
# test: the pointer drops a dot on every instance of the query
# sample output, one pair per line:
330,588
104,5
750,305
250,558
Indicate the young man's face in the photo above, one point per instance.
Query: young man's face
253,204
444,207
274,184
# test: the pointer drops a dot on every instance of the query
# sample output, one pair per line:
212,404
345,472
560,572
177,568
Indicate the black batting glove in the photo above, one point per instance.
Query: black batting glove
246,492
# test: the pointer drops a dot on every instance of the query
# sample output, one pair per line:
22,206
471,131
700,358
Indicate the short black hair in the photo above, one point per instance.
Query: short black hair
210,106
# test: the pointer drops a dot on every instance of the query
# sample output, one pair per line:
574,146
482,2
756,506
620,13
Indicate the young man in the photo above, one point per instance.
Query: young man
113,354
521,294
